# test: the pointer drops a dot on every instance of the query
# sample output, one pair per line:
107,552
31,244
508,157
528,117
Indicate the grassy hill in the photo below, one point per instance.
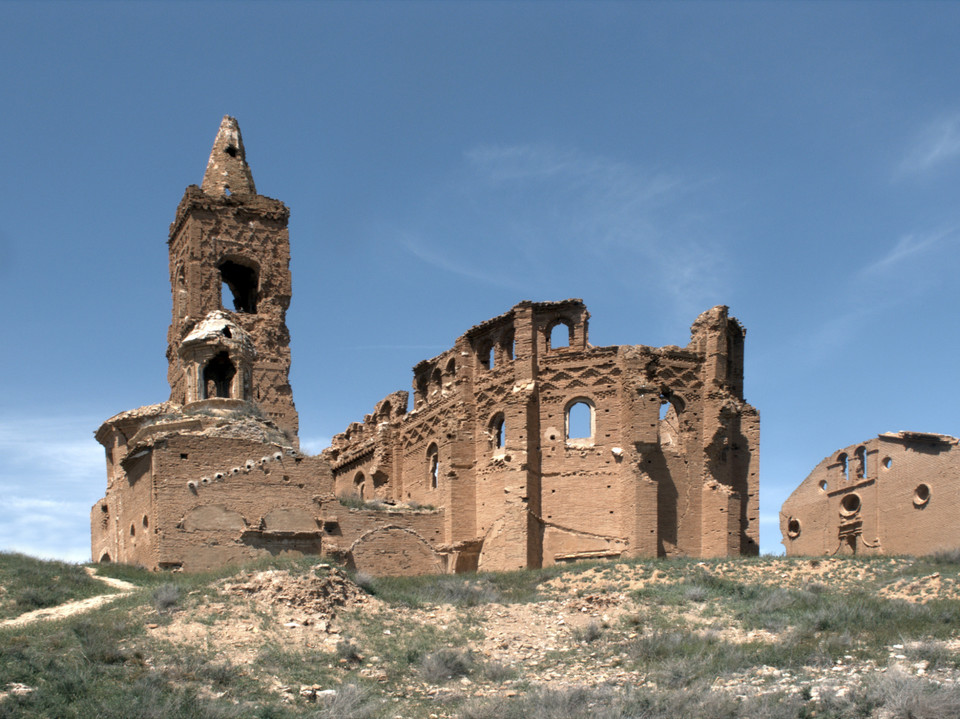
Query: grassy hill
770,637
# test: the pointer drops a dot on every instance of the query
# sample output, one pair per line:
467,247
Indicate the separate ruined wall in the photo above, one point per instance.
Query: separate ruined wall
894,494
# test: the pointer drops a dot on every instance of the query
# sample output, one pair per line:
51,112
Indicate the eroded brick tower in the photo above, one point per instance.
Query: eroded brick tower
230,255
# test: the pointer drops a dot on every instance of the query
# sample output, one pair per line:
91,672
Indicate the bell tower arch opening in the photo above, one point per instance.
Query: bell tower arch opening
218,377
241,281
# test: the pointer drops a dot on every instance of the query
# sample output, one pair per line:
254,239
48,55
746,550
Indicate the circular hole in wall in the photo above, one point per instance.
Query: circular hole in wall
921,495
887,462
850,504
823,485
793,528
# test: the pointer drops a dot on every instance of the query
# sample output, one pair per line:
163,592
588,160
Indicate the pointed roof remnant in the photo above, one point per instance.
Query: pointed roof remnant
227,170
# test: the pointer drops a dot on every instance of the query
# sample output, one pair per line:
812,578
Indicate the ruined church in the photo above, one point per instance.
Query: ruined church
523,445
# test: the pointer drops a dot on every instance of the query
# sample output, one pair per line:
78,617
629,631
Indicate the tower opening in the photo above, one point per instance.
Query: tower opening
242,282
218,376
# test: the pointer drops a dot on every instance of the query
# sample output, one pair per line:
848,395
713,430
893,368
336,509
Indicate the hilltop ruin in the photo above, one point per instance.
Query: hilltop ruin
524,445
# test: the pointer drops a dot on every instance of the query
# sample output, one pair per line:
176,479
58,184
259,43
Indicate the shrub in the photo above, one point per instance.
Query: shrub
946,556
445,664
349,701
166,596
590,632
99,642
348,651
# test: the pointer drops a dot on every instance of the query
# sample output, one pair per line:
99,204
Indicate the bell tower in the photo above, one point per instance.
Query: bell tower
230,255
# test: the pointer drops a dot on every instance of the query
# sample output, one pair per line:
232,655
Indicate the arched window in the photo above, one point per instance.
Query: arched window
561,335
861,462
450,372
498,432
433,465
359,485
579,421
218,376
842,461
486,355
241,281
436,380
421,393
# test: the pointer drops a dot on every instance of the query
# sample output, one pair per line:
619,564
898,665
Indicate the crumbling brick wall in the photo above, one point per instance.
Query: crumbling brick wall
489,440
893,494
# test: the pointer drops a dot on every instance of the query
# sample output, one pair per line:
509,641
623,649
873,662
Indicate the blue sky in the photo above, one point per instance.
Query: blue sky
797,162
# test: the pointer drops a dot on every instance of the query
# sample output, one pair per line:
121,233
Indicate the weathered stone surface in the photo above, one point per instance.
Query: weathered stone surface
524,446
893,494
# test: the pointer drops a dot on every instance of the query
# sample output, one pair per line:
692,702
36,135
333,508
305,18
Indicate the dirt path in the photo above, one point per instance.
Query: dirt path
71,608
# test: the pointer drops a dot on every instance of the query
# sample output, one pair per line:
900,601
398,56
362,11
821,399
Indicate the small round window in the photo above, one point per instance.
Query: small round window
921,495
823,485
793,528
887,462
850,504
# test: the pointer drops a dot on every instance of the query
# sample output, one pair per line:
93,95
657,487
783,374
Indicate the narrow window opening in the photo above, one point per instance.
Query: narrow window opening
861,462
226,190
433,464
485,355
842,459
242,282
561,335
580,421
498,431
218,376
359,485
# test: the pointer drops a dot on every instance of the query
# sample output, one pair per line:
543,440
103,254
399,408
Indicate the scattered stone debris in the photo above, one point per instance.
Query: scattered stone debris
308,600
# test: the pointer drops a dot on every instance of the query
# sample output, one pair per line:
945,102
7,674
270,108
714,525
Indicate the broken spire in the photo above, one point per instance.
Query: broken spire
227,170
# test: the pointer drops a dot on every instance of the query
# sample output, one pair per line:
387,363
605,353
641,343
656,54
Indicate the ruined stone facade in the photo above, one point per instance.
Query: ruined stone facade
894,494
524,446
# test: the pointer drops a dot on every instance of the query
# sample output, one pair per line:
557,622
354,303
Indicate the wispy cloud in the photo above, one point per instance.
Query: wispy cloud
446,263
907,247
535,218
314,445
935,144
52,472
